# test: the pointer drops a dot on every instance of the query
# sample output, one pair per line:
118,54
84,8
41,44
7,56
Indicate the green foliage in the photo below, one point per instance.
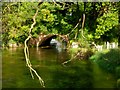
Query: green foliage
15,20
118,72
101,20
12,41
106,23
118,83
109,61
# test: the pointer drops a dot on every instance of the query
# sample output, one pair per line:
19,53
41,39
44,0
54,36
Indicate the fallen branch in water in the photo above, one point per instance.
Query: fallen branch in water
26,51
70,59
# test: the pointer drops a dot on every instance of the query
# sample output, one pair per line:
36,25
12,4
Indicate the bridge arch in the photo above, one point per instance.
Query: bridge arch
44,40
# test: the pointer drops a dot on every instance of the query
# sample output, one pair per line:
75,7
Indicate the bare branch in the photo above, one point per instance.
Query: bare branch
26,51
83,26
70,59
75,27
82,36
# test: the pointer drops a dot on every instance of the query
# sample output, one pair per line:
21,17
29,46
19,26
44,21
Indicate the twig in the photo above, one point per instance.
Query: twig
75,27
8,6
58,4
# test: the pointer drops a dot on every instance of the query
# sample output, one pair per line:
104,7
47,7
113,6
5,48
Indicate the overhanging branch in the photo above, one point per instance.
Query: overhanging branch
26,51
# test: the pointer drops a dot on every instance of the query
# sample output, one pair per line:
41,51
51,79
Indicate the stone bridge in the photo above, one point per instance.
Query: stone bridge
44,40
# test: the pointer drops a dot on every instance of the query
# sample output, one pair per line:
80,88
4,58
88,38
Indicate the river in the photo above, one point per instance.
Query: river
48,63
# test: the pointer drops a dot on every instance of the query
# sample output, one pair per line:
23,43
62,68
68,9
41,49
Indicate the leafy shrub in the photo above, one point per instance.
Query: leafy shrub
108,60
118,72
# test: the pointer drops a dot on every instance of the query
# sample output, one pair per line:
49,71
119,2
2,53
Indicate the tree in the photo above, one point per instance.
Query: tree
61,18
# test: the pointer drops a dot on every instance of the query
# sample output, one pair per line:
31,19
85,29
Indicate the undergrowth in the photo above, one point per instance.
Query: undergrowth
109,61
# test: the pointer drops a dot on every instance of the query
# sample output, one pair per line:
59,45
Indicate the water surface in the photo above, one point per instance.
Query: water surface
48,63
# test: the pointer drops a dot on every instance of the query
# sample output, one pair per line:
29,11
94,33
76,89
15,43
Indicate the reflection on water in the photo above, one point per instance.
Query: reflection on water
47,62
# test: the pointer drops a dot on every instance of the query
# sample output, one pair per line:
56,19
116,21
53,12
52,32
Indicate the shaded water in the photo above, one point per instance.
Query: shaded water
48,63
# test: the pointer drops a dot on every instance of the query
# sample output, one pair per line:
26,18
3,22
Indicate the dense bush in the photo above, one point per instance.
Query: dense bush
118,76
118,83
109,60
118,72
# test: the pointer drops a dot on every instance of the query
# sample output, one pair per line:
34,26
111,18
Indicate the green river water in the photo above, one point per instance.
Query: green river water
48,63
